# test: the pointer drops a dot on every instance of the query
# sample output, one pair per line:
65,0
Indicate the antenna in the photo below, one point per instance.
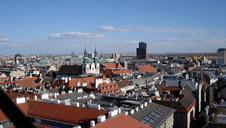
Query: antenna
119,48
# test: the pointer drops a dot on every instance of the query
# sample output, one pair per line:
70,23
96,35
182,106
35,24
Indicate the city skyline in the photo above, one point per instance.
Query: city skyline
57,27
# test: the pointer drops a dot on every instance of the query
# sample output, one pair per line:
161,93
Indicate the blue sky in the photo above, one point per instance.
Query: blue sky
63,26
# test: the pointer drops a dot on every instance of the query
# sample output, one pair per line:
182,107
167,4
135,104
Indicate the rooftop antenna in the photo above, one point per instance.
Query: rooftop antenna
119,48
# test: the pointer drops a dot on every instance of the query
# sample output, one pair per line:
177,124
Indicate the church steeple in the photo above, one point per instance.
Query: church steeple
95,52
85,52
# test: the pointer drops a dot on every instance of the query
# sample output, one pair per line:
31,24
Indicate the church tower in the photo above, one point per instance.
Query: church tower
89,67
85,52
95,52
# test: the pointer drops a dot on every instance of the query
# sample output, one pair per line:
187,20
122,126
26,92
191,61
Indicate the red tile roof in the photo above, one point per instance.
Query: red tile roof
112,66
109,88
7,83
110,72
124,83
73,81
146,69
2,116
28,82
120,71
121,121
57,112
62,113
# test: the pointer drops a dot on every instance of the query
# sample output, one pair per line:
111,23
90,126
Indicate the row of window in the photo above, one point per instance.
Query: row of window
111,92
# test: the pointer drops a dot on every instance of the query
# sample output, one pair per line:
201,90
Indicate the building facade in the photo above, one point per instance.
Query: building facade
142,51
221,56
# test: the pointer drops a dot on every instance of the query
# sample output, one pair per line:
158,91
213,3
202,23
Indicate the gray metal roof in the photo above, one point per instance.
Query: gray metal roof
153,114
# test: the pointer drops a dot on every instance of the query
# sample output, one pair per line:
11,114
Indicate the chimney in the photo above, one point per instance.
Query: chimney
119,110
55,95
84,84
69,91
20,100
66,80
101,118
150,101
136,109
77,104
98,107
132,112
63,92
113,113
78,84
35,97
145,104
45,96
141,106
92,123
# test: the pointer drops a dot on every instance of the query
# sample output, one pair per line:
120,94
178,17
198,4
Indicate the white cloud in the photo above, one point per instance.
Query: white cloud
191,31
79,35
143,28
131,42
106,28
3,39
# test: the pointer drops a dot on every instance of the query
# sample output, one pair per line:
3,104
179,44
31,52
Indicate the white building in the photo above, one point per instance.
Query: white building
91,68
88,66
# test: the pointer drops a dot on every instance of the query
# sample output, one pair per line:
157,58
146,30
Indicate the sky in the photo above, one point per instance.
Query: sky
65,26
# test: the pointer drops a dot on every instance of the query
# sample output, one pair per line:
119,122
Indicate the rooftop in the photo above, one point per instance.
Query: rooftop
153,114
62,113
121,121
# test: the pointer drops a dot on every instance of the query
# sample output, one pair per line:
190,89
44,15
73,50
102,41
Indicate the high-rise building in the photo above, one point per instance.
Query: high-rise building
95,52
142,51
85,53
221,56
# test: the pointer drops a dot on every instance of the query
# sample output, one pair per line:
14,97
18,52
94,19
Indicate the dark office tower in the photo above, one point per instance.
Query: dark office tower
142,51
72,54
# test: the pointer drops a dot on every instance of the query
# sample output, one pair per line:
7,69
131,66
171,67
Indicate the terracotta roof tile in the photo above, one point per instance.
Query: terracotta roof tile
109,88
73,81
146,69
109,72
124,83
62,113
121,121
7,83
28,82
112,66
